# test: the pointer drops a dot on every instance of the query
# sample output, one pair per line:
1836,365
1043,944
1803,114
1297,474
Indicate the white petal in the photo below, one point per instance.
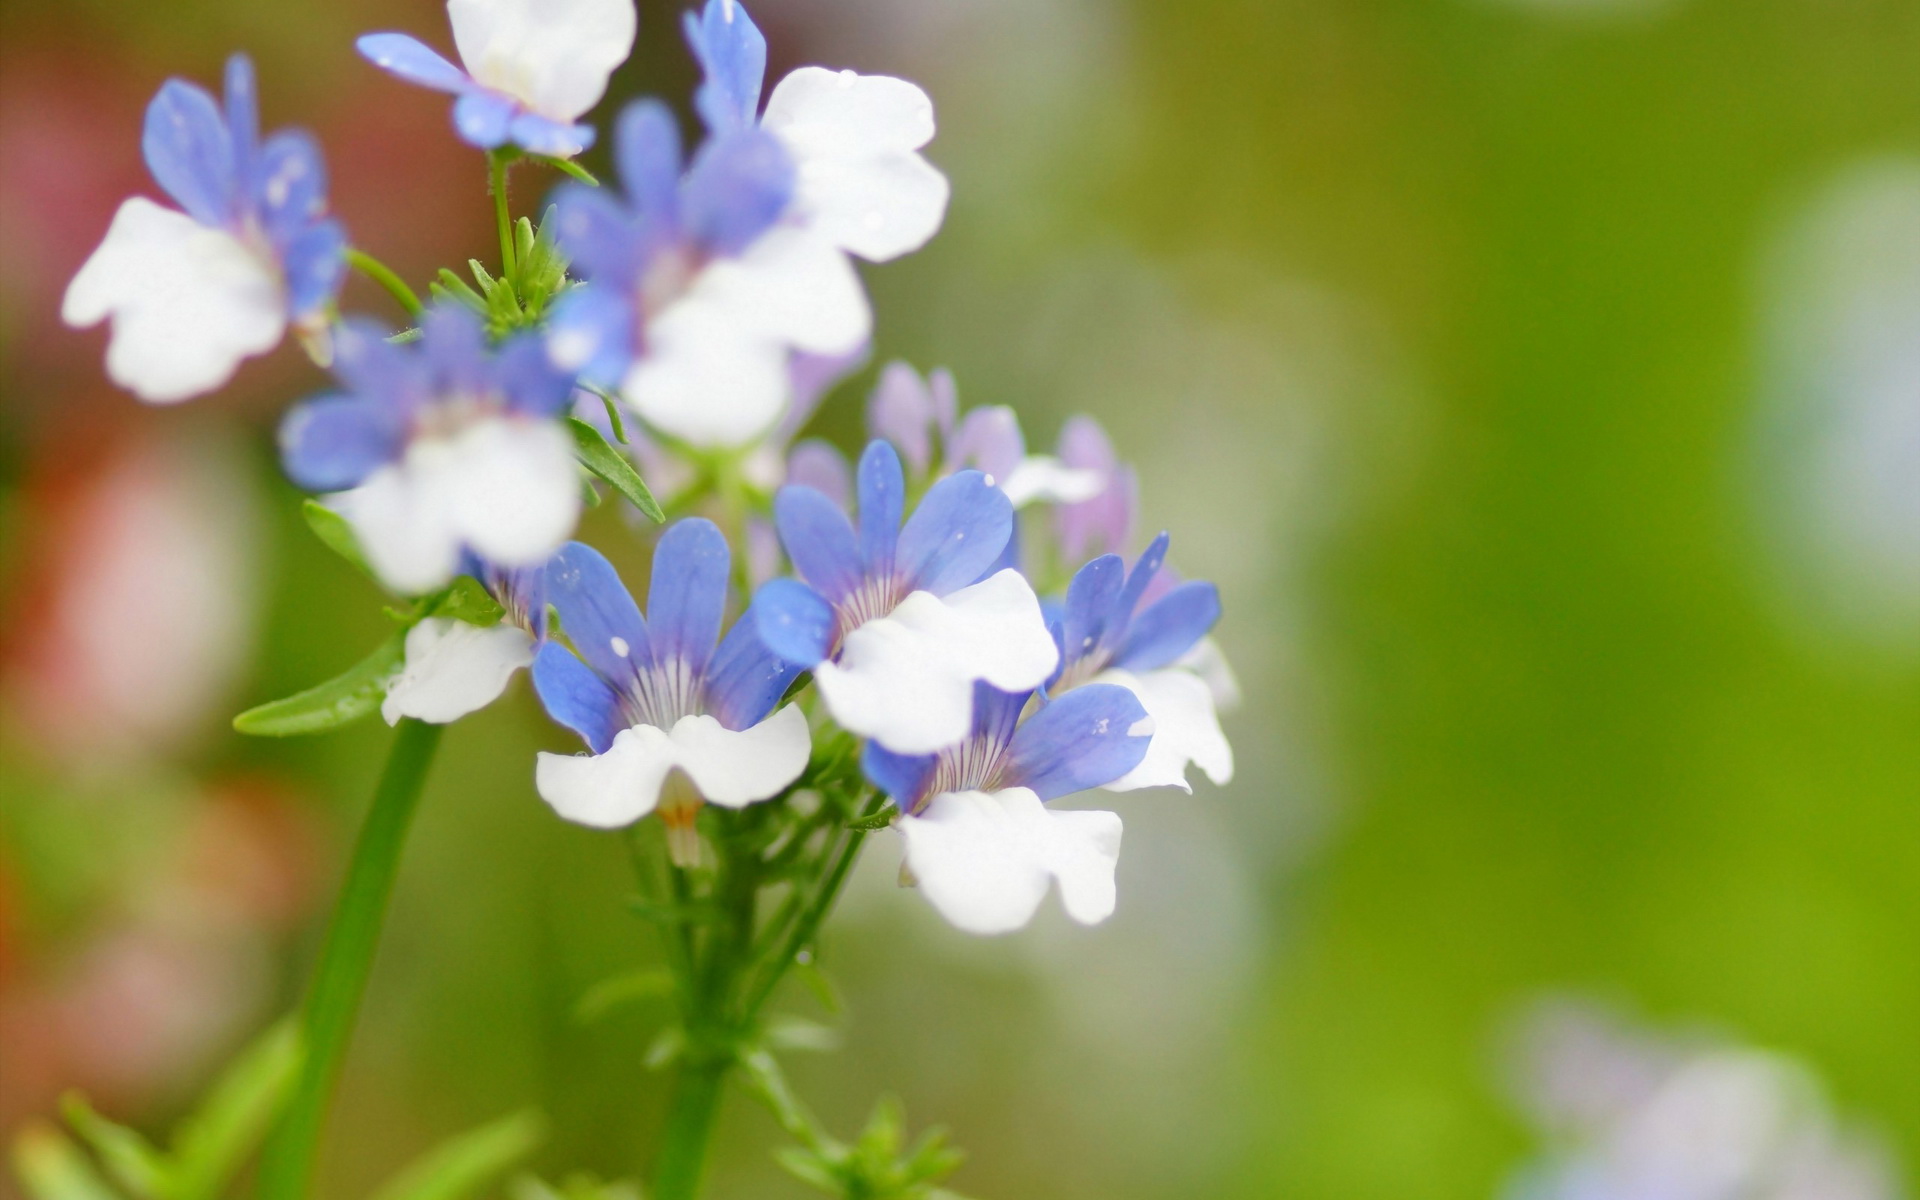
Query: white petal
188,303
707,380
454,668
983,859
402,529
1185,729
554,56
510,487
853,138
735,768
794,286
1208,662
906,679
1045,478
608,790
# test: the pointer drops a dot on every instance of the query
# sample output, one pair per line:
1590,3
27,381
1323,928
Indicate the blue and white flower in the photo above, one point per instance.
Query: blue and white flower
674,713
439,449
1112,630
194,291
700,287
981,842
533,68
454,667
898,623
912,413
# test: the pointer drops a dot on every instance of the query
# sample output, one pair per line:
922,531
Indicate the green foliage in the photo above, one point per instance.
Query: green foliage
879,1165
611,465
621,990
462,1165
347,697
206,1151
516,300
335,534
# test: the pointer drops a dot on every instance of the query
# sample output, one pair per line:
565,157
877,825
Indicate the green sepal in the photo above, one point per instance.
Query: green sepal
335,534
462,1165
211,1142
452,287
609,464
879,820
466,599
345,698
50,1167
133,1162
566,166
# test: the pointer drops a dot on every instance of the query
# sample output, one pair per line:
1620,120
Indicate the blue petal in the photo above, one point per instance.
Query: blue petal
483,118
733,57
646,153
688,593
455,344
882,487
995,714
544,135
903,777
590,332
745,679
739,185
1170,627
603,240
334,442
190,152
818,539
598,614
1077,742
1144,569
243,114
901,411
793,621
819,465
373,367
316,265
406,57
576,697
960,528
290,185
530,382
1090,605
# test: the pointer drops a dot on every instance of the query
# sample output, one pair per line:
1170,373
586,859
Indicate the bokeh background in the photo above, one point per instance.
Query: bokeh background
1540,379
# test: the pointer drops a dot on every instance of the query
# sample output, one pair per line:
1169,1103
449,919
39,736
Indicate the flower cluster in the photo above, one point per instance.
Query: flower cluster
914,602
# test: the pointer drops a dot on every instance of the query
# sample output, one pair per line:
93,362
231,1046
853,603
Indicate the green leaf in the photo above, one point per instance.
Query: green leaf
345,698
452,287
609,464
809,1168
132,1161
567,166
612,404
334,532
462,1165
798,1033
629,988
467,600
578,1186
879,820
669,1045
211,1142
51,1167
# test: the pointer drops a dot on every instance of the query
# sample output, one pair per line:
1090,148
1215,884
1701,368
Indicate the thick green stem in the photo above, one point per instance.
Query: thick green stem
683,1149
497,161
340,979
386,277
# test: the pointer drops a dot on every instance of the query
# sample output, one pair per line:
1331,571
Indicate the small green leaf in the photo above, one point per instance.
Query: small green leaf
467,600
879,820
629,988
334,532
612,404
880,1140
132,1161
51,1167
798,1033
809,1168
481,274
453,287
668,1046
405,337
567,166
343,699
609,464
212,1141
462,1165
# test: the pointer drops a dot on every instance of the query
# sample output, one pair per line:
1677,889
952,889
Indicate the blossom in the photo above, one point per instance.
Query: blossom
191,292
533,68
980,840
910,412
897,623
701,286
1103,522
1114,630
446,447
454,667
673,713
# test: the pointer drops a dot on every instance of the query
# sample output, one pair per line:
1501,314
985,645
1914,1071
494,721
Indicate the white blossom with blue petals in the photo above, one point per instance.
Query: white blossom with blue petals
194,291
454,667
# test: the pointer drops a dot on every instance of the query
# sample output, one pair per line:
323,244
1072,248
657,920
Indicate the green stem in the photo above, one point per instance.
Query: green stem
385,276
806,928
683,1150
340,979
497,162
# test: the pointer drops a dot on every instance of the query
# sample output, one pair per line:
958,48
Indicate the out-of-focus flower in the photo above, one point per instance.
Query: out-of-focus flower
1102,523
192,293
533,68
1637,1115
980,841
674,713
447,447
1113,631
897,624
455,667
699,288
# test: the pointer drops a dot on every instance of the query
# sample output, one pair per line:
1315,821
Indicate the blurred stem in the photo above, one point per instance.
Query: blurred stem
340,979
497,163
387,278
683,1151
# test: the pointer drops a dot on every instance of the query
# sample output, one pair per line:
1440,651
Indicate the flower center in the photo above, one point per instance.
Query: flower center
974,765
873,599
662,694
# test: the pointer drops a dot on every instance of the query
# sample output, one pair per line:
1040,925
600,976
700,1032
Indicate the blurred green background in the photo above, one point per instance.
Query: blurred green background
1504,360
